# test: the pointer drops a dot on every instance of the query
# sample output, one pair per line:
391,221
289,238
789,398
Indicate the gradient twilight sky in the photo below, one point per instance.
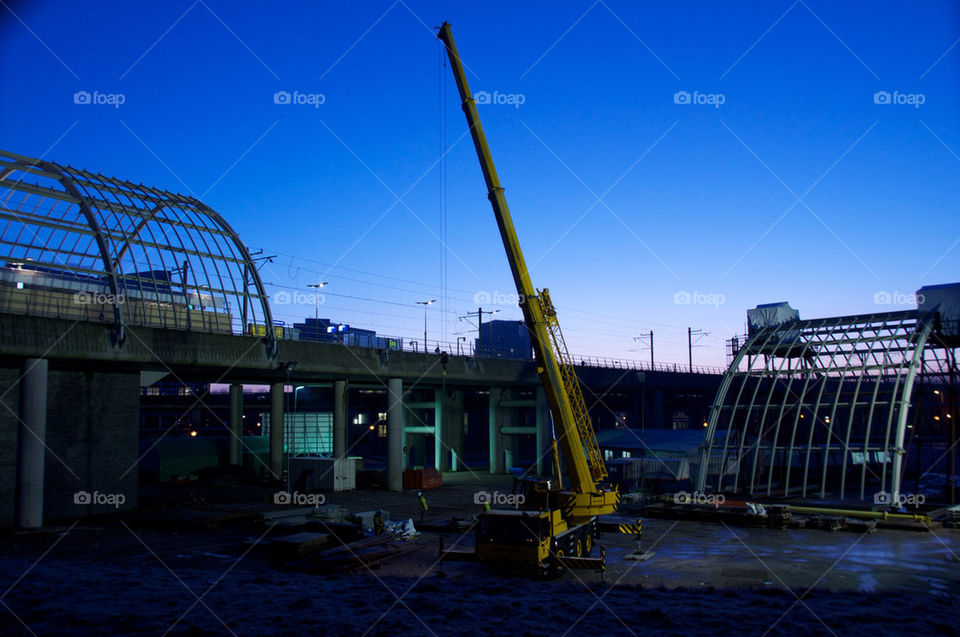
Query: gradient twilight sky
798,187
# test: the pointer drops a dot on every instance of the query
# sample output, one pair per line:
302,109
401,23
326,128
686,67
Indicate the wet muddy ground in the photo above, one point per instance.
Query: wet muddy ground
129,575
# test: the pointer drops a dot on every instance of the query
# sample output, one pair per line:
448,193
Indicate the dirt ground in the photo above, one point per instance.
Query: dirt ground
143,574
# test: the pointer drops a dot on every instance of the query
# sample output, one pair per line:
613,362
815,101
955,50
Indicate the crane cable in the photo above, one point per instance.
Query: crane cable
442,137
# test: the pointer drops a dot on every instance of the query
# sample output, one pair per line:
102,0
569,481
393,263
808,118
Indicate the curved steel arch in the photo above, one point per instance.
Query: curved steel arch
80,245
807,402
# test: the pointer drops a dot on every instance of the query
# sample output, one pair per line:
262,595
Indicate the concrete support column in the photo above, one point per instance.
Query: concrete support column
655,409
453,430
496,438
439,450
339,418
635,413
544,435
276,430
236,424
395,434
31,441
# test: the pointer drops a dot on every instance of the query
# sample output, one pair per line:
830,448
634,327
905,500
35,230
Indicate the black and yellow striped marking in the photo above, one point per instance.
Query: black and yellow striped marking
631,529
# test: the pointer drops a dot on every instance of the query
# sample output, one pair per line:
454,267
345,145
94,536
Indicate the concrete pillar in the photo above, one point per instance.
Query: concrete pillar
635,412
276,430
31,441
339,418
439,450
655,409
236,424
395,434
453,430
496,439
544,435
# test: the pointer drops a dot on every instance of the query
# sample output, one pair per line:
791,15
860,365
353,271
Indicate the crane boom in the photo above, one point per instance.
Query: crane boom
576,438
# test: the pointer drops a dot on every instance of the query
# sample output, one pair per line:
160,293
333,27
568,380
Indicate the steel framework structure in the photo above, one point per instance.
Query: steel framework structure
80,245
827,407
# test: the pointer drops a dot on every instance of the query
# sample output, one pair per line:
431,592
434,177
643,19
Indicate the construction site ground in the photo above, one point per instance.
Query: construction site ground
188,563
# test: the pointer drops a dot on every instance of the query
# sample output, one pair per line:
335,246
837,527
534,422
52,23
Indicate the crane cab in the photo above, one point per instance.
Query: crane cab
517,537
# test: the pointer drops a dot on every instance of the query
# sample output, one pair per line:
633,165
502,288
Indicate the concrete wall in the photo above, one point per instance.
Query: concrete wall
9,406
92,431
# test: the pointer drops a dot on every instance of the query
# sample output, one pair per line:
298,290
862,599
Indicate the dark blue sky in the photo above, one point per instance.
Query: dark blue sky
698,201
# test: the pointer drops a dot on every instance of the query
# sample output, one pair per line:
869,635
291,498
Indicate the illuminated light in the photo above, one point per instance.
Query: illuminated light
949,415
371,427
704,423
801,416
258,424
936,417
19,284
193,434
826,419
936,392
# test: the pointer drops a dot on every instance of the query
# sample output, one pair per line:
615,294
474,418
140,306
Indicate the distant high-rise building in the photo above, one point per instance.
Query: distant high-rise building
504,339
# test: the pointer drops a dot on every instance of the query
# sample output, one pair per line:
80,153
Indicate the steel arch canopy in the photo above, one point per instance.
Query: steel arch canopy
823,408
84,246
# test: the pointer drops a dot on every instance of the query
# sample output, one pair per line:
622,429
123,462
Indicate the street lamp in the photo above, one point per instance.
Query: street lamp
460,338
316,307
425,304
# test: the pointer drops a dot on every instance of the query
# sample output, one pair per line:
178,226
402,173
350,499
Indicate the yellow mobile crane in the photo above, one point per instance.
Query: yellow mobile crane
557,526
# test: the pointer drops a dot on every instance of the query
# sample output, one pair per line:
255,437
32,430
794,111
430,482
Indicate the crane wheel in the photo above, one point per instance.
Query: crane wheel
578,549
587,544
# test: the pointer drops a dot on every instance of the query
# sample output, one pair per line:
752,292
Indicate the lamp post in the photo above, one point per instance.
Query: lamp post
316,308
460,338
425,304
295,390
